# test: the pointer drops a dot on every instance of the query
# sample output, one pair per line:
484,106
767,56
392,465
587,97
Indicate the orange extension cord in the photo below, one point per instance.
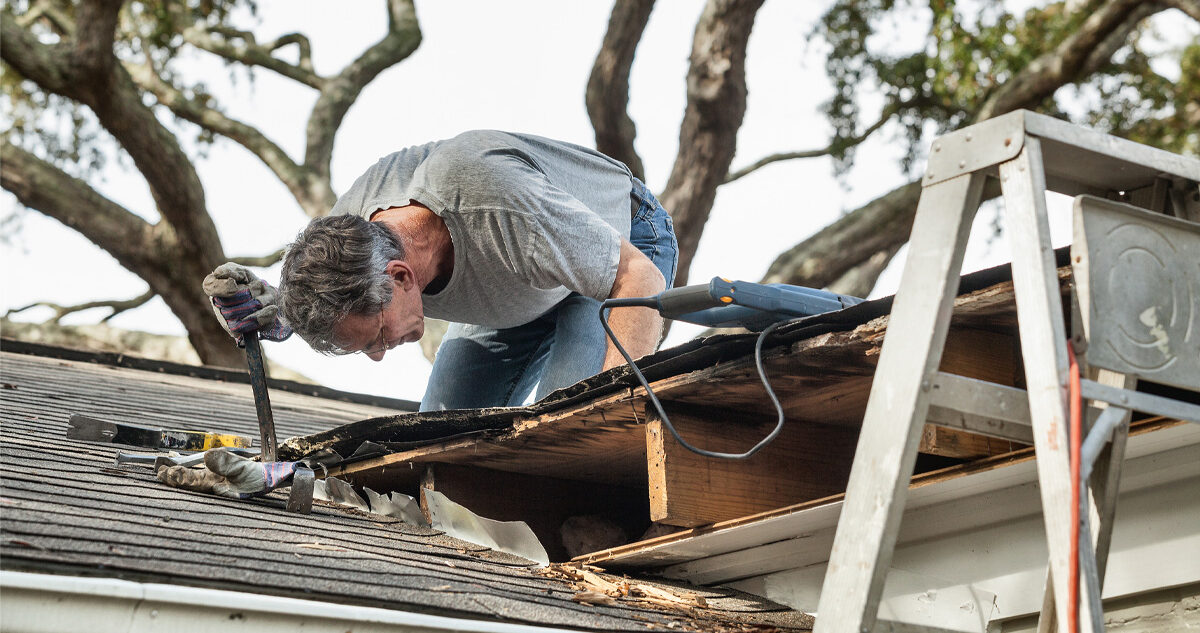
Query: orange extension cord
1076,438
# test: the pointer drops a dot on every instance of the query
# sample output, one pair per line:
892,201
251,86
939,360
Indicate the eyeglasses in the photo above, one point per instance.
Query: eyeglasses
380,344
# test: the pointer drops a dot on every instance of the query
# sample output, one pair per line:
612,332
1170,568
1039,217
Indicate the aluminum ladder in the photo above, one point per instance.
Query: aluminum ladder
1025,154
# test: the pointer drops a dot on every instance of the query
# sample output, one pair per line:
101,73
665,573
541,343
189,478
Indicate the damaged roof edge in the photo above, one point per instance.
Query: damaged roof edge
720,347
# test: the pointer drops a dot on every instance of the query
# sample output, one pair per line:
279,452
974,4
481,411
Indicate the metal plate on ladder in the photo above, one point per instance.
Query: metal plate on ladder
1138,278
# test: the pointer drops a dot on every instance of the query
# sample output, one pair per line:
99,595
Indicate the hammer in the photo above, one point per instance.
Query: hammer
262,401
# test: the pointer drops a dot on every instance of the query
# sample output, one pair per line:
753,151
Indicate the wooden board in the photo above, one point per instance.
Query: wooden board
805,461
938,440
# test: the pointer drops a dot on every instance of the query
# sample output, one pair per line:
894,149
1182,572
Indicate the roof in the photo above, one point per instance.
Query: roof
67,509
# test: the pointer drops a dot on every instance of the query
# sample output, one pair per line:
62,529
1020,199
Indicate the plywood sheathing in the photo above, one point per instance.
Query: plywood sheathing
805,461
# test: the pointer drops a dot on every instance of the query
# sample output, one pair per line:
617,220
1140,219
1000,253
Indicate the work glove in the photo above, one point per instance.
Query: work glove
229,475
244,303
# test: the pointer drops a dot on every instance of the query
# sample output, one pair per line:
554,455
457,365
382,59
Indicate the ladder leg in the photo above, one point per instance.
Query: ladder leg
896,410
1046,621
1043,345
1106,476
1104,486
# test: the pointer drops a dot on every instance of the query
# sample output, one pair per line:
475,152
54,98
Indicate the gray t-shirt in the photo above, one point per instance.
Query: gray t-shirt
532,219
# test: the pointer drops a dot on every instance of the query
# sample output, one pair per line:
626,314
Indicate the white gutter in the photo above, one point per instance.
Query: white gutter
36,603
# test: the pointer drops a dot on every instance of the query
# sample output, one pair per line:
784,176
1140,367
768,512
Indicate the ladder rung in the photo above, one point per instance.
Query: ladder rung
980,407
1138,401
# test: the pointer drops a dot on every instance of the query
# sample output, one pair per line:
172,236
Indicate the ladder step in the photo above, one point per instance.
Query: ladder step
980,407
1138,401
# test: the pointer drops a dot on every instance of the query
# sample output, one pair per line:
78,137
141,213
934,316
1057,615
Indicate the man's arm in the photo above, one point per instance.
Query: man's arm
638,329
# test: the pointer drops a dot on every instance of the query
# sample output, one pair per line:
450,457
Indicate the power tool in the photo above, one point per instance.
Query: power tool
725,303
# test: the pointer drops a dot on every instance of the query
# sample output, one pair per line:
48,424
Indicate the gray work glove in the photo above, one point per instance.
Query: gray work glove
229,475
244,303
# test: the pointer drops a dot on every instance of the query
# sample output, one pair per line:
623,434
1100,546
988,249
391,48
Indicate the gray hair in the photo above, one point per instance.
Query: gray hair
336,267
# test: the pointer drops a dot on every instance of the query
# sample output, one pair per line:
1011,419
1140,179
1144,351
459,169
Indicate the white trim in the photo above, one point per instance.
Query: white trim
35,603
994,541
980,534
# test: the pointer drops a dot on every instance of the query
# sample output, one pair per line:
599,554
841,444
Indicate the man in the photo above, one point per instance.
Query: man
513,238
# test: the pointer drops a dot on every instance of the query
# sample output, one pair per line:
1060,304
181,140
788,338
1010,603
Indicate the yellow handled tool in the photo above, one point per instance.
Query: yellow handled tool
93,430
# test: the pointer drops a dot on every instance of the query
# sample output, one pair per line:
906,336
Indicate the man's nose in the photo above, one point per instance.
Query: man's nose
376,356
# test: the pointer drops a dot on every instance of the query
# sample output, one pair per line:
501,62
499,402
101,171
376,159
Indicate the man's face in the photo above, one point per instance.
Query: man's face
400,321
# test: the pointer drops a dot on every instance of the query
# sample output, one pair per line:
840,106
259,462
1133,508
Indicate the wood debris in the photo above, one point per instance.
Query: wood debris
590,585
594,597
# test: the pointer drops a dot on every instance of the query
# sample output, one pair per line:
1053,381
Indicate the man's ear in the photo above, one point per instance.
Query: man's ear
401,272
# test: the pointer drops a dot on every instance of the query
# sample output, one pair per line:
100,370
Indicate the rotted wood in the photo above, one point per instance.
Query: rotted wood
601,441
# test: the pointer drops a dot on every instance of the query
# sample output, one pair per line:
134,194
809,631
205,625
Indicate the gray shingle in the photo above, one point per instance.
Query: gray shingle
65,508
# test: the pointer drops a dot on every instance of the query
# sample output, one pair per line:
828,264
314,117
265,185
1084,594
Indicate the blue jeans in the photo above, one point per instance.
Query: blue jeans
479,367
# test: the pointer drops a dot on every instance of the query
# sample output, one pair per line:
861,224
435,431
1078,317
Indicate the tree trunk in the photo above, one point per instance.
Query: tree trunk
716,104
607,95
174,255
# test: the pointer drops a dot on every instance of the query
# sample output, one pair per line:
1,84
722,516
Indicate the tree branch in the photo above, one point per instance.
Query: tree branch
54,15
833,251
95,32
250,53
261,261
45,65
292,175
1190,7
716,104
1053,69
833,146
607,96
860,280
403,37
39,185
117,305
1103,52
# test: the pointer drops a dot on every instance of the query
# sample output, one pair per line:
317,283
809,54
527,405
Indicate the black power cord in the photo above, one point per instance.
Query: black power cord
652,302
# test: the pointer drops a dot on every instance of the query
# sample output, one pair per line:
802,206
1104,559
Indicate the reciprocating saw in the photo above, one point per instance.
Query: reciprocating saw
725,303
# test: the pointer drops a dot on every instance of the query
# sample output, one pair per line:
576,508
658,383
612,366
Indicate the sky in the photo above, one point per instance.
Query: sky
519,66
